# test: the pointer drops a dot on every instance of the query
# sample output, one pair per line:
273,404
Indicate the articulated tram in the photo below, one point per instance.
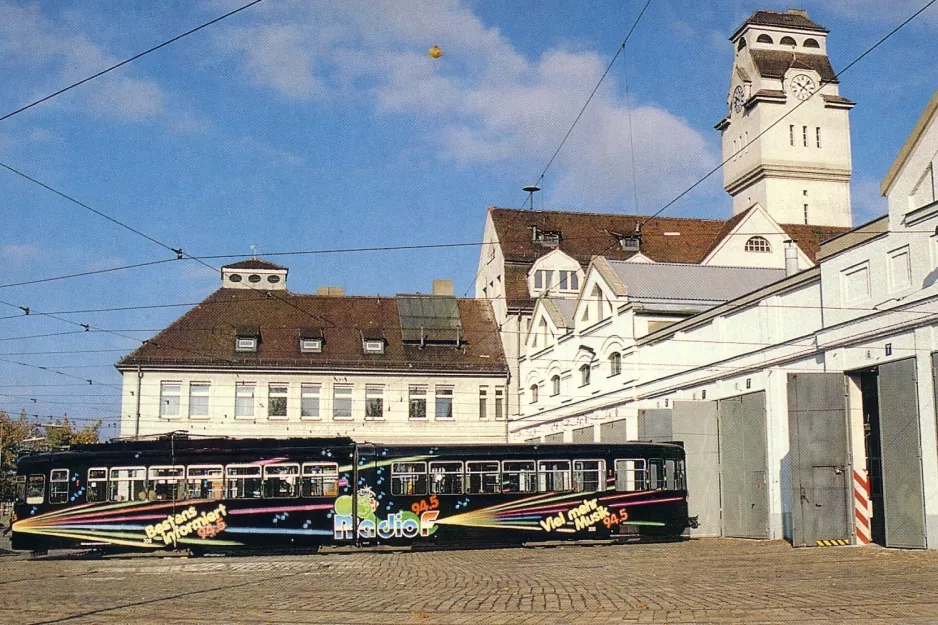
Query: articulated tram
219,494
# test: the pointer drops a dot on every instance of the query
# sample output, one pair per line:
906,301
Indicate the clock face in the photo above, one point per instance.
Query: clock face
738,98
802,86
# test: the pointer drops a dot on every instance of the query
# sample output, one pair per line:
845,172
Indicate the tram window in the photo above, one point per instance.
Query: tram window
554,476
674,474
58,486
20,493
128,484
97,484
35,489
518,476
205,481
630,475
167,483
244,481
320,479
588,475
656,474
409,478
482,477
281,481
446,478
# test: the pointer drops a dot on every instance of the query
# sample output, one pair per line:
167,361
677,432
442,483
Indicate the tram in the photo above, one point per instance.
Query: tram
220,494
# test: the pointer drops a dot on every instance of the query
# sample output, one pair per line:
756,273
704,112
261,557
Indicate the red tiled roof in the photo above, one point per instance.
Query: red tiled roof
206,335
809,238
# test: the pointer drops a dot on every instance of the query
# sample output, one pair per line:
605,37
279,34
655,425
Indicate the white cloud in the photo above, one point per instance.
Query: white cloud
20,253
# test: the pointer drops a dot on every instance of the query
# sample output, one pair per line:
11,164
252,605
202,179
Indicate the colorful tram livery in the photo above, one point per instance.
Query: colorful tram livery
224,494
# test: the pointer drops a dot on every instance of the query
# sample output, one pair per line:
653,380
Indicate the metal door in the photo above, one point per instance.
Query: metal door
583,435
695,423
903,498
655,425
554,438
742,465
817,434
613,432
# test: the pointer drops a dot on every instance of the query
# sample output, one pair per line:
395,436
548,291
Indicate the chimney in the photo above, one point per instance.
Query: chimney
800,12
330,291
443,287
791,258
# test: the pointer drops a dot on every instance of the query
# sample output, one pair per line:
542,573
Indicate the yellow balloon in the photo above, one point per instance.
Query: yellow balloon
435,52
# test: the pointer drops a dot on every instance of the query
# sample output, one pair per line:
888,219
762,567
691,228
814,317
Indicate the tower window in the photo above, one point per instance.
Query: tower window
791,134
787,41
806,213
742,44
758,244
811,43
817,134
763,38
804,135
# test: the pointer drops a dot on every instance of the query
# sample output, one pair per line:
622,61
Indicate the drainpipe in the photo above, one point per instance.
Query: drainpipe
137,422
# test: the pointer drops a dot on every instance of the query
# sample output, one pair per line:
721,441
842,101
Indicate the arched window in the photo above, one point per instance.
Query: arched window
584,375
758,244
742,43
763,38
555,385
811,43
534,393
787,41
615,363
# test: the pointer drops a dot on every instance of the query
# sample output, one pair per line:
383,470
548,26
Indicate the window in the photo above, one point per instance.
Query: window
244,400
758,244
254,278
320,479
309,401
36,489
615,364
674,470
555,386
311,346
127,484
235,277
281,481
804,135
811,43
534,393
20,489
544,279
791,134
630,475
277,401
408,478
198,399
482,477
273,279
554,476
817,135
374,347
243,481
418,402
169,399
519,476
589,476
806,213
205,481
342,402
444,402
167,483
97,485
374,402
499,403
741,44
584,375
569,281
656,478
446,478
763,38
483,403
787,41
58,486
246,344
538,279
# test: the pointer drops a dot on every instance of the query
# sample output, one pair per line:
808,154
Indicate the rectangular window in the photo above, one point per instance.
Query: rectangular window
804,135
817,135
519,476
277,401
281,481
198,399
446,478
169,399
374,402
791,134
806,213
630,475
97,485
418,402
36,489
128,484
563,280
499,403
444,402
554,476
482,477
589,476
311,346
675,474
538,279
20,489
342,402
205,481
374,347
656,479
408,478
244,481
167,483
58,486
483,403
320,479
309,401
246,344
244,400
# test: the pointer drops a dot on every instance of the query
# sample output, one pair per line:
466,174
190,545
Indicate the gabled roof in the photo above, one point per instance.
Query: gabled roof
774,63
560,310
809,238
253,263
205,336
794,20
914,137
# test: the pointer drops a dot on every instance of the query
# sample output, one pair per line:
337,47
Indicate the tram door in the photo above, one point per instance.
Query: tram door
366,467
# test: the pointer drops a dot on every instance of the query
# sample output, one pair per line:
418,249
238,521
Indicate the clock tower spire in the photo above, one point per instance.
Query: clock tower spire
797,167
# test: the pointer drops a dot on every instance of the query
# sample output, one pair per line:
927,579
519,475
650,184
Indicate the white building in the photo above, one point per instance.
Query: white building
255,359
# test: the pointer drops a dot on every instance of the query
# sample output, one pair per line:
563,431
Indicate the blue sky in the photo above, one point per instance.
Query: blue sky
317,125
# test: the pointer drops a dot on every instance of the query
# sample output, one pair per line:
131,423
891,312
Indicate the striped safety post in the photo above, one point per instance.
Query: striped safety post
862,507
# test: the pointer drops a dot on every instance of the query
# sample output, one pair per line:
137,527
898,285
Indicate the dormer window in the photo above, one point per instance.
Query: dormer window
374,347
311,346
569,281
246,344
629,243
547,238
758,244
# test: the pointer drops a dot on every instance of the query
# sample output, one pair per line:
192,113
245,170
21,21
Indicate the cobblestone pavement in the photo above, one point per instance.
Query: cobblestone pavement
699,581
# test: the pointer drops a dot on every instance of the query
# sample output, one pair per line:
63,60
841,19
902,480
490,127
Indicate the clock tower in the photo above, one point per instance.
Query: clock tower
786,135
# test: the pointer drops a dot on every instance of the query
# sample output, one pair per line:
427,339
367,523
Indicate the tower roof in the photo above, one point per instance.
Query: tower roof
794,19
253,263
